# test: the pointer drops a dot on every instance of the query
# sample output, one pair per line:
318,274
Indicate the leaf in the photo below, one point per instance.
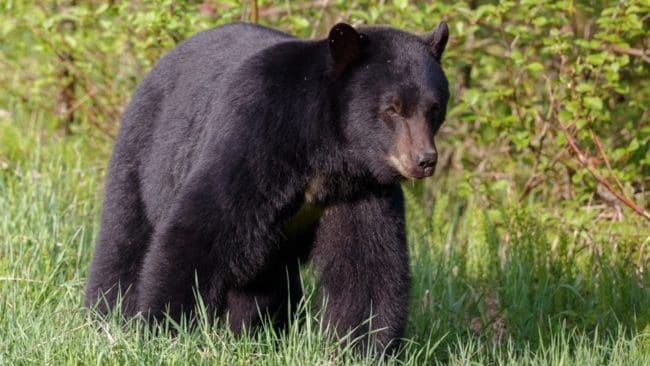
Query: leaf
516,55
102,8
565,115
471,96
596,59
500,185
401,4
561,139
71,41
535,66
594,103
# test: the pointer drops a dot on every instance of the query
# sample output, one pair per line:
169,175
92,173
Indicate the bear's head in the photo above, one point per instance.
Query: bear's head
391,97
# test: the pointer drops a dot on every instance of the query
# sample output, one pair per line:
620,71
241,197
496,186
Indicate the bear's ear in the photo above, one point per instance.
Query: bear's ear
437,40
346,46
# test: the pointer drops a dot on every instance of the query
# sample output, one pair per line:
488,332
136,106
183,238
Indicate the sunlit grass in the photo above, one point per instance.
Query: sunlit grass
492,282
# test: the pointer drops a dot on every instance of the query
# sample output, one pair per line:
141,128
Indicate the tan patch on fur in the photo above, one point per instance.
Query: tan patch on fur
310,211
314,186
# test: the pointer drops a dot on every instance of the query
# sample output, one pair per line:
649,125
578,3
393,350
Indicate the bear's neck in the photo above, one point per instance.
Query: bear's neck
293,114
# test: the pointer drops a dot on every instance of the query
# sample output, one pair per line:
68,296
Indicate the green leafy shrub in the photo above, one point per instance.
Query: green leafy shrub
548,99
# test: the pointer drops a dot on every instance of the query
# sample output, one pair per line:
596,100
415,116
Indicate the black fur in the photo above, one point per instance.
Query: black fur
228,138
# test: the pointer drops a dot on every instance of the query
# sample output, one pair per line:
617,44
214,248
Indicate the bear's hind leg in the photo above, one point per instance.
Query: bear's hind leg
123,238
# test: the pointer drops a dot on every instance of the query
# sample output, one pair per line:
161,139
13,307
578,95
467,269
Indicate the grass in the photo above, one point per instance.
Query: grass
493,282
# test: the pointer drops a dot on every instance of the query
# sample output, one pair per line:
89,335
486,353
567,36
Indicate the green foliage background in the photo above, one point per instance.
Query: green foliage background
525,76
519,253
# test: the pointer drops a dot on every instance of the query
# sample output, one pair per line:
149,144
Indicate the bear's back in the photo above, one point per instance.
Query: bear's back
172,108
204,59
181,82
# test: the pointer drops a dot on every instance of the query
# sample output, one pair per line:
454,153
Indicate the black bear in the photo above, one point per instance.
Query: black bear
246,151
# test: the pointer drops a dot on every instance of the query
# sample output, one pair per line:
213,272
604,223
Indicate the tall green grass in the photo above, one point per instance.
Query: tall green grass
493,282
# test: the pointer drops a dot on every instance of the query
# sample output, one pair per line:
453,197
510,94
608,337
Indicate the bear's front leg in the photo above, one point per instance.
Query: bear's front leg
361,255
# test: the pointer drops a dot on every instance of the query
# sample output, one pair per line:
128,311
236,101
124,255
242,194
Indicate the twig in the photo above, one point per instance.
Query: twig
324,4
256,12
644,54
596,140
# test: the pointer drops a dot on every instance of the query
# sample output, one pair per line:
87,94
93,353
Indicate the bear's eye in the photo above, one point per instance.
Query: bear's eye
391,111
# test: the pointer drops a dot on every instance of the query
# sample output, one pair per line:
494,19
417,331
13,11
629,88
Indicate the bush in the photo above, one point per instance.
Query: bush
547,100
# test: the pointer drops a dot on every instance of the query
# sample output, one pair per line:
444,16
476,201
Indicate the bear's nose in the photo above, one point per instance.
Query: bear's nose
427,159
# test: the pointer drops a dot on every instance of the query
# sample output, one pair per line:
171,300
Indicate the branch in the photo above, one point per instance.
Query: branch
584,160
